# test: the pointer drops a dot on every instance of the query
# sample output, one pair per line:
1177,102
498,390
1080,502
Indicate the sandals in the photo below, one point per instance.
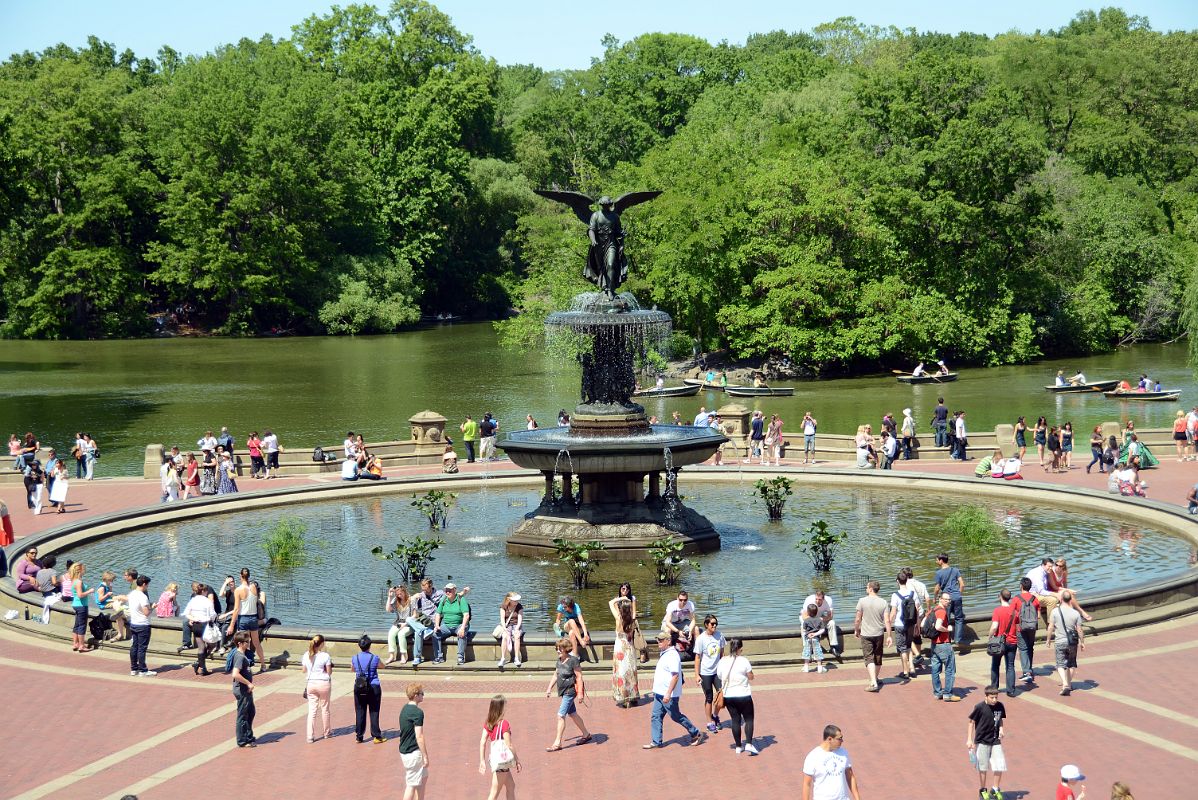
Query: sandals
585,739
553,748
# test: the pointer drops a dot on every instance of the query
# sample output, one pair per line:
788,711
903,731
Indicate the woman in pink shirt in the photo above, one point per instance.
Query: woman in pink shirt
254,444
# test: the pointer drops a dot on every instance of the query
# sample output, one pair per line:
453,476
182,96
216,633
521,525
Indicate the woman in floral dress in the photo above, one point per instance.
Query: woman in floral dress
624,687
208,473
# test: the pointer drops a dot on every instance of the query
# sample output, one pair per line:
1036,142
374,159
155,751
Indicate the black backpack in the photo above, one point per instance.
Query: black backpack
909,609
318,454
1028,620
928,629
362,681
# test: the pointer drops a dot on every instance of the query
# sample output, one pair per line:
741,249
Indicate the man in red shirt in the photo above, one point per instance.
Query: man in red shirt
942,652
1025,639
1004,622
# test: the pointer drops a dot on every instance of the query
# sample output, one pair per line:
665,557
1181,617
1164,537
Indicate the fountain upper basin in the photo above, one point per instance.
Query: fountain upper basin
642,451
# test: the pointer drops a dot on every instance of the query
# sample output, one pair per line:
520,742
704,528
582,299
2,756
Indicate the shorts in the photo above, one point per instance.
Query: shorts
1066,656
413,768
1180,436
871,649
990,756
272,460
247,623
80,621
567,706
904,637
709,683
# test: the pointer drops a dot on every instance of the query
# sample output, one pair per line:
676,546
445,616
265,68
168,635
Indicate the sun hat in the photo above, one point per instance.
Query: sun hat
515,597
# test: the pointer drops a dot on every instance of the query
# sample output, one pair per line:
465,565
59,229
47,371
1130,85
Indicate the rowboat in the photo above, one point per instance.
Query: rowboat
929,378
1093,386
669,391
1163,396
703,384
759,391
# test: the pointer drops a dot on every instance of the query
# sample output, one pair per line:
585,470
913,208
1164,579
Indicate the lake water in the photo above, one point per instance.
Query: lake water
758,578
311,390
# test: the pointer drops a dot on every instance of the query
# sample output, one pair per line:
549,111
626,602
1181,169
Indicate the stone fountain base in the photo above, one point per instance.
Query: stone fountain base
626,530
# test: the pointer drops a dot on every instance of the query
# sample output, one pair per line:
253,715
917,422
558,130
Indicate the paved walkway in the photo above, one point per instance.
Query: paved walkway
96,732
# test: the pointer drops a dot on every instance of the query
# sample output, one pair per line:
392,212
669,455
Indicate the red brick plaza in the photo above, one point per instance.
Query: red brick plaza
79,726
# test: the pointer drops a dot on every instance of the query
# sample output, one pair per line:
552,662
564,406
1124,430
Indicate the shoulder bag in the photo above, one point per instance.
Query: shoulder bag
501,755
717,703
501,628
1070,633
996,644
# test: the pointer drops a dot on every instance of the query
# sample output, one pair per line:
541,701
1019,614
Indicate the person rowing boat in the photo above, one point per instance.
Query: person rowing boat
919,371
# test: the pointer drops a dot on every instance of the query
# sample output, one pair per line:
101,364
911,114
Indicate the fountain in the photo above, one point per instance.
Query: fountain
609,447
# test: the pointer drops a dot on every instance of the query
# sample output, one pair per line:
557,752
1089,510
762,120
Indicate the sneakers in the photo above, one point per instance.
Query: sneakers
379,740
806,668
739,750
501,663
712,727
149,673
821,668
750,749
134,673
699,738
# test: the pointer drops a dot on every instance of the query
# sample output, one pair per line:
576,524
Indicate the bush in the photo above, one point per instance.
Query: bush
774,492
820,545
666,556
974,527
284,543
410,557
579,558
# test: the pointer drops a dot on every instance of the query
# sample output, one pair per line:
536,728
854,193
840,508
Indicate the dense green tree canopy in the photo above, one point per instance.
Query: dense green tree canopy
850,197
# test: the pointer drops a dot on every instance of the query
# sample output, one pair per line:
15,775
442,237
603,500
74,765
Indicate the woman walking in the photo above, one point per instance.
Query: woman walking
775,436
319,668
208,473
90,453
1179,435
79,593
735,672
625,688
1040,436
1067,446
59,486
567,679
244,615
1054,447
1020,437
35,485
570,625
1096,450
257,463
399,602
191,477
200,614
501,758
226,484
368,692
511,628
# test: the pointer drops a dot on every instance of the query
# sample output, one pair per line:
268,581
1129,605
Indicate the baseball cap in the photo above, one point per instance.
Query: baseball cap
1070,772
450,585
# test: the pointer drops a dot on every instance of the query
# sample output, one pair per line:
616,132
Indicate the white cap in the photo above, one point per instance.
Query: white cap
450,585
515,597
941,363
906,412
1070,772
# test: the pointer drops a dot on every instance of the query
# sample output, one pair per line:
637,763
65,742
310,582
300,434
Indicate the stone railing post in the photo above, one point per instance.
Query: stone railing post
153,461
428,434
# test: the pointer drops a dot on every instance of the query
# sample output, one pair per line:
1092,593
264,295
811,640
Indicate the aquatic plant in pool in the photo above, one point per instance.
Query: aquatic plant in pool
973,528
666,556
411,557
284,544
821,544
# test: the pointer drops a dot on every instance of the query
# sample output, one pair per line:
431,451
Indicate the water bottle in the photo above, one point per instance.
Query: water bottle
973,757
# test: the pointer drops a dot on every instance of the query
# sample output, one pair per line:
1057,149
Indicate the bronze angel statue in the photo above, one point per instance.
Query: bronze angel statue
606,265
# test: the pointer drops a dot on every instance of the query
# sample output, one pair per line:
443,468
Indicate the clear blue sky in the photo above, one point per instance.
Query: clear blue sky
548,33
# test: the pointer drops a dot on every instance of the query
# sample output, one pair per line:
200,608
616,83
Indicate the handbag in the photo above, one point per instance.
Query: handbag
717,703
499,631
211,634
1070,633
996,644
501,755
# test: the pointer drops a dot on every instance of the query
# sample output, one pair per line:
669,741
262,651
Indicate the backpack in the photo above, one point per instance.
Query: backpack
362,680
907,607
928,629
1028,621
318,454
249,657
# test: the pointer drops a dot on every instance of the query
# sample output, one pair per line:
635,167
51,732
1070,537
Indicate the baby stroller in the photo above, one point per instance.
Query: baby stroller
101,628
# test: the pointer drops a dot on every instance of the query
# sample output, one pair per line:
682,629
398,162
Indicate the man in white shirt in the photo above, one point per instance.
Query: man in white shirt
904,624
667,691
701,418
1039,578
270,447
962,438
824,605
828,770
139,626
919,370
708,649
921,592
680,617
207,442
1192,432
350,445
349,469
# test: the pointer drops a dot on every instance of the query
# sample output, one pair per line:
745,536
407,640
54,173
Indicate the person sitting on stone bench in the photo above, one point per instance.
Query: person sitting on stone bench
680,618
452,619
424,610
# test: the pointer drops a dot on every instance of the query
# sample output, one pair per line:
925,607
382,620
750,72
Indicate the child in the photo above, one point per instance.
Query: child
166,606
813,629
1070,775
47,582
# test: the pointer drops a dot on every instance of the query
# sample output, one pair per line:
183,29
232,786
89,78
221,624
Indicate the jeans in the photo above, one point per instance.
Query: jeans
943,655
811,649
371,703
940,430
1007,655
443,633
1096,458
79,467
138,647
906,448
420,635
663,706
187,640
469,451
245,714
808,445
957,609
1026,643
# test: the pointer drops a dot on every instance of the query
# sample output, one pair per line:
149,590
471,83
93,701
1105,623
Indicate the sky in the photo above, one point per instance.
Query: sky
549,33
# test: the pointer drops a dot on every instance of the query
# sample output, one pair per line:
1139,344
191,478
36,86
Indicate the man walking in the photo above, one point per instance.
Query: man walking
904,615
985,734
940,422
243,690
962,437
1067,637
708,648
139,627
828,770
1027,609
925,601
1004,622
667,691
412,750
871,625
948,579
486,432
943,657
470,436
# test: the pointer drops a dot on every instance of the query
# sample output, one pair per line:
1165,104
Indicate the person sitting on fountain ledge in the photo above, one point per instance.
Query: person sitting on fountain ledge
452,619
680,618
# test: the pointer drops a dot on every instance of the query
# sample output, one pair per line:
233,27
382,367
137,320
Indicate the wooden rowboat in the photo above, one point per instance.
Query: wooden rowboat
759,391
669,391
1093,386
929,378
703,384
1163,396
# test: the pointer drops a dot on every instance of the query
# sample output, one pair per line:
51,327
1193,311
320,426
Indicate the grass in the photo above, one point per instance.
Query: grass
284,543
974,527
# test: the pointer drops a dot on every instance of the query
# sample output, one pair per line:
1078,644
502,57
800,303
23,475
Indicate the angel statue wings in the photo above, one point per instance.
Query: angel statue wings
606,265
